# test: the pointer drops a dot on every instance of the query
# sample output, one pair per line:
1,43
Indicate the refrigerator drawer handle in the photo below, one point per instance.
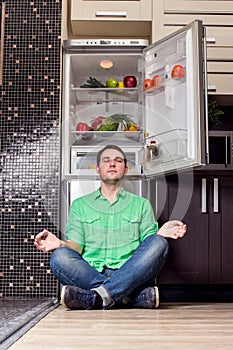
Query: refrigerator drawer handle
211,40
203,196
216,195
111,14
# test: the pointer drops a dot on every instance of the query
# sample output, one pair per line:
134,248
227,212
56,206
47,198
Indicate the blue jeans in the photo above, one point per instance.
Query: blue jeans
138,272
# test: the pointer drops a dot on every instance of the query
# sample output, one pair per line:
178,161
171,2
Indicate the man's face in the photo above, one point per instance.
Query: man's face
112,166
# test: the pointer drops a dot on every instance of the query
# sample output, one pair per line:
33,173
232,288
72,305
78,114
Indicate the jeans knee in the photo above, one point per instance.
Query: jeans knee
54,258
159,243
60,257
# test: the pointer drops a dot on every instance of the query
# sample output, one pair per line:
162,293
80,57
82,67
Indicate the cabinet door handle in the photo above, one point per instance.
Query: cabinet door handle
2,39
203,196
215,195
111,14
210,40
206,99
212,88
226,150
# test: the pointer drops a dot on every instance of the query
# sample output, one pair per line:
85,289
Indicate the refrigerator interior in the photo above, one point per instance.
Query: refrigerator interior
83,105
91,103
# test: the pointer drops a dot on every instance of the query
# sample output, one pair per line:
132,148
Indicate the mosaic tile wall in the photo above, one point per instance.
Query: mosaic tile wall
29,149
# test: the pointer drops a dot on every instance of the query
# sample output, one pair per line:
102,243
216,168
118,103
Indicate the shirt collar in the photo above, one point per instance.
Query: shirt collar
98,194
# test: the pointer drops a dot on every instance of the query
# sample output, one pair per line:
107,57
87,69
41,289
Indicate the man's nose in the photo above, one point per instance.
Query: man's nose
112,162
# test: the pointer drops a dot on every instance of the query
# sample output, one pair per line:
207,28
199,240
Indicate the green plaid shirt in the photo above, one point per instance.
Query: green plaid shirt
109,233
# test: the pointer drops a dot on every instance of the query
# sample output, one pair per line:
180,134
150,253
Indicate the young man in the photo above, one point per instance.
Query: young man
114,250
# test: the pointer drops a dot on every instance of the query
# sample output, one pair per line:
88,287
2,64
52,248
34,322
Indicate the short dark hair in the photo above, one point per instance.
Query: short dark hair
111,147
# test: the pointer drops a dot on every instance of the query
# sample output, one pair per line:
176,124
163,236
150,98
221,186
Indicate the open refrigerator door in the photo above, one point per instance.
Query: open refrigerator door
174,102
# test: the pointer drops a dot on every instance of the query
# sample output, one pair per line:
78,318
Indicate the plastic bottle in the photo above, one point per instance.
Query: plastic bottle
152,151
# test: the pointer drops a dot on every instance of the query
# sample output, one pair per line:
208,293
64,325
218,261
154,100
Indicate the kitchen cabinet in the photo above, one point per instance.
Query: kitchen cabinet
217,17
221,230
90,18
204,203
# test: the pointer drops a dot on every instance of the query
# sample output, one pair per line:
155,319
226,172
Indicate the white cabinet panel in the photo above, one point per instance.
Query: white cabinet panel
208,6
111,10
220,53
220,84
214,19
111,18
217,36
220,67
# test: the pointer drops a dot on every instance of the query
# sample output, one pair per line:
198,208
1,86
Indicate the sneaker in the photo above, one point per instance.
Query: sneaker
77,298
148,298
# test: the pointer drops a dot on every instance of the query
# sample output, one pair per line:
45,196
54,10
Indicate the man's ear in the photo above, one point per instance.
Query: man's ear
126,169
97,169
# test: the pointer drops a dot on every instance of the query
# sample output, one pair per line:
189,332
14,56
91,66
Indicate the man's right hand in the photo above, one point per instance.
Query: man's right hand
46,241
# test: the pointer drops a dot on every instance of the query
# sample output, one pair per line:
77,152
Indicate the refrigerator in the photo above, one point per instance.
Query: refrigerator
160,91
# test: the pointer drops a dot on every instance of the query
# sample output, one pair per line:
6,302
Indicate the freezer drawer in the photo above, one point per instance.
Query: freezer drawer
83,161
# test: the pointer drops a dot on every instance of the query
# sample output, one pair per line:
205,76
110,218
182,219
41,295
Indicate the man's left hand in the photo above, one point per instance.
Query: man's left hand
173,229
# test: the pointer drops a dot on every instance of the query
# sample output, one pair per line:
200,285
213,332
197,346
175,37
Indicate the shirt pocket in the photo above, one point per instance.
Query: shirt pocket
130,227
92,231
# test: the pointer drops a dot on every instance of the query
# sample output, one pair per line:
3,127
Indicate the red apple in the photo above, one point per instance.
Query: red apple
130,81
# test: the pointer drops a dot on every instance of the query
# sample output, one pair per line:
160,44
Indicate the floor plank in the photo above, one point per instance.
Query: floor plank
172,326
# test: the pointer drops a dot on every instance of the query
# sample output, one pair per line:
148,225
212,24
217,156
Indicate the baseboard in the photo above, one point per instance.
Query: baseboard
196,293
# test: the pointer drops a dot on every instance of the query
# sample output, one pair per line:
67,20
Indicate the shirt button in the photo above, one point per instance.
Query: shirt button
110,217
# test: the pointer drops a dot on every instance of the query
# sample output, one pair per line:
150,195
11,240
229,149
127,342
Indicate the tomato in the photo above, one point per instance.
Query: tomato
178,72
156,81
82,127
148,84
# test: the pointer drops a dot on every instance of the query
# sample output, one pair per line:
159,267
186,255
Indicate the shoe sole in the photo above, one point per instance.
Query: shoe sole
156,297
63,291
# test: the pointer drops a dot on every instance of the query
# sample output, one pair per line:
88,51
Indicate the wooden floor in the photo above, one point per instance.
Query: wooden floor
172,326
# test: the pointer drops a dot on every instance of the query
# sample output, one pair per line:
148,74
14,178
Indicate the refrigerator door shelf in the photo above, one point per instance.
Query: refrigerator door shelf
159,84
159,54
171,148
